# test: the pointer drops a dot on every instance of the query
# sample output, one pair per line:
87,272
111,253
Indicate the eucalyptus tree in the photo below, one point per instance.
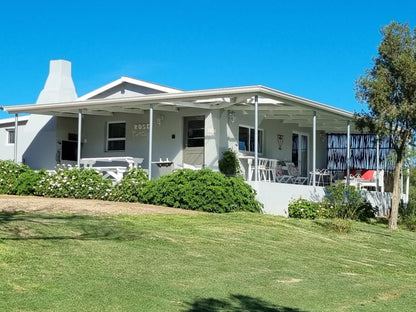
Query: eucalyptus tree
389,90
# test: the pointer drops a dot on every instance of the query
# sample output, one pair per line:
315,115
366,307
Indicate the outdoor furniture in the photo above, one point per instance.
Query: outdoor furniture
264,170
115,172
368,179
322,177
294,173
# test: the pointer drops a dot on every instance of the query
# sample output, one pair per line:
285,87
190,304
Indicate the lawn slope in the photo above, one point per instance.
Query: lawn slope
204,262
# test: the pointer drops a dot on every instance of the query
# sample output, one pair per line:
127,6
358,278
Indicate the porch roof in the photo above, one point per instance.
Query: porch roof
272,104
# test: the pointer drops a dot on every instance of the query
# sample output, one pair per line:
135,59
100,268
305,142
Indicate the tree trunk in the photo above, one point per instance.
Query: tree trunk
394,213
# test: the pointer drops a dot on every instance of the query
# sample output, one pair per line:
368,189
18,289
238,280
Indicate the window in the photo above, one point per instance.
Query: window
195,131
116,136
10,136
246,139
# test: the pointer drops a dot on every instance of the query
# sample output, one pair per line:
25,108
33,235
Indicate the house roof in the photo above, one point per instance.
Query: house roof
272,104
133,81
10,122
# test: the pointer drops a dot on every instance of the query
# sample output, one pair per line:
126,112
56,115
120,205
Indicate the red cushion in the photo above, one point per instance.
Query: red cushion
368,175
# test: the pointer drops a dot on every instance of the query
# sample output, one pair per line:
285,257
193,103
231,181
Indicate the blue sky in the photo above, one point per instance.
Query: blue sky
313,49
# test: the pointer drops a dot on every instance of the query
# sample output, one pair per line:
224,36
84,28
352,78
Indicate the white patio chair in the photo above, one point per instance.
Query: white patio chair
369,180
282,174
294,173
263,169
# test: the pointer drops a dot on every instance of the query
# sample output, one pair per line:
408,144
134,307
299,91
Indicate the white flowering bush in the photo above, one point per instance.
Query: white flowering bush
74,183
130,188
306,209
9,173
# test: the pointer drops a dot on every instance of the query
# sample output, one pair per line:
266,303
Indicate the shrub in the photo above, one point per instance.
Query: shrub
130,188
409,222
345,202
27,182
337,225
74,183
202,190
305,209
408,215
229,164
9,173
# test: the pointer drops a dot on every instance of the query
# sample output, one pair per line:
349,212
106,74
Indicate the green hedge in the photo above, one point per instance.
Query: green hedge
74,183
130,188
340,201
203,190
9,174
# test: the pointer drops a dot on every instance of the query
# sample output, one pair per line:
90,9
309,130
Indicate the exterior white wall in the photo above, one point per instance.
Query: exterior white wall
36,143
213,131
7,149
277,196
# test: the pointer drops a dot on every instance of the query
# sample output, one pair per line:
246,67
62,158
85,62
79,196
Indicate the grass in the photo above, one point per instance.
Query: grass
204,262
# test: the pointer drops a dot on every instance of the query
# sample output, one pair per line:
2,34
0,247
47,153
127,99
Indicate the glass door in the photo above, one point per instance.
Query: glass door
194,140
300,153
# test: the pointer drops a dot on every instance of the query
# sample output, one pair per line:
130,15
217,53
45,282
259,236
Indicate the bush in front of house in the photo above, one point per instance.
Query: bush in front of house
26,182
74,183
228,164
306,209
130,188
203,190
9,173
340,202
346,202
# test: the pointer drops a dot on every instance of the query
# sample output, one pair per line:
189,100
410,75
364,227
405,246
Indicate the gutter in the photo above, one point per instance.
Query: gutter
185,95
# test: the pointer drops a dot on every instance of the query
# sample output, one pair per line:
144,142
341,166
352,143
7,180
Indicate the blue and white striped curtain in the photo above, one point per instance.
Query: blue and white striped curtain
363,152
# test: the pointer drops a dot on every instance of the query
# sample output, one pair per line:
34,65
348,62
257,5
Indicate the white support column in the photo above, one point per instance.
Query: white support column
408,183
348,151
16,135
314,149
256,137
377,163
79,138
150,140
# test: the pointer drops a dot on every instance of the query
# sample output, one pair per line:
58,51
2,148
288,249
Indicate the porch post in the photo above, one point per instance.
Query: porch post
314,149
256,136
377,163
150,141
79,138
348,151
407,184
16,131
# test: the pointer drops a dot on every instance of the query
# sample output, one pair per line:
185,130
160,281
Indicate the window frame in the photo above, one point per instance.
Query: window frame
9,136
250,131
115,139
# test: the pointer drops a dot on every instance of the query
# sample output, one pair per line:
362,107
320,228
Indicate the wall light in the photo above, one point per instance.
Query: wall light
280,141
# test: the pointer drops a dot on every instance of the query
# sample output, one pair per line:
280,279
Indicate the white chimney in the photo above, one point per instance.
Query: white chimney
59,86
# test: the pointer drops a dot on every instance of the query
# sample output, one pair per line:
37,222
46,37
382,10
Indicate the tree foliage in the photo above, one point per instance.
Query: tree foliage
389,90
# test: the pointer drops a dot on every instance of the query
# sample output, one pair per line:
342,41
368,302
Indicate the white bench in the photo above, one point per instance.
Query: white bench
113,172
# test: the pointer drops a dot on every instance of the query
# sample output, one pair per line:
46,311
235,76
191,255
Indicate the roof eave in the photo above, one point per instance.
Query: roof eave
181,95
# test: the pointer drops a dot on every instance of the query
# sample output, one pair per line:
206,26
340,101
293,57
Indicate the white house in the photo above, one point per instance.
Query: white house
131,117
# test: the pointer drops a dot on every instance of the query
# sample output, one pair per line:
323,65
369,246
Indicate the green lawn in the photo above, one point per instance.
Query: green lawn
203,262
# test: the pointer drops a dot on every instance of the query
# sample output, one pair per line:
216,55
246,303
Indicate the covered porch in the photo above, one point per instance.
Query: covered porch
194,128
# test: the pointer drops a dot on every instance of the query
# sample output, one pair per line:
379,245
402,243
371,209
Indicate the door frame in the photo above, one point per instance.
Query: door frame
185,121
301,166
